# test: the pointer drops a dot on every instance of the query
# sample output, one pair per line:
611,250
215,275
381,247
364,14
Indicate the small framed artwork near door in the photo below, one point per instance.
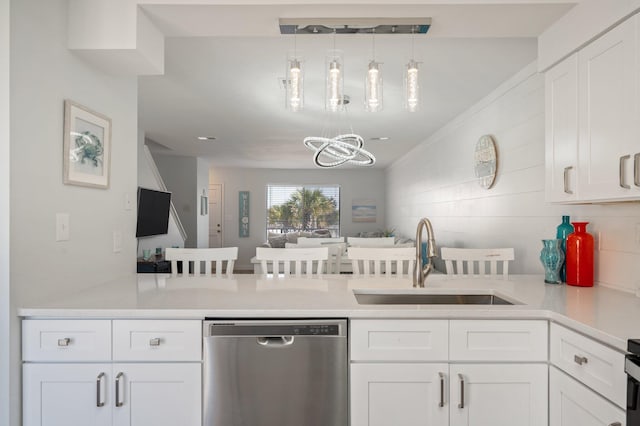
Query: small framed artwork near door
216,231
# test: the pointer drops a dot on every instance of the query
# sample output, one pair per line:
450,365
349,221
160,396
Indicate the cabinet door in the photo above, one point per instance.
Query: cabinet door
573,404
399,394
561,131
607,86
498,394
157,394
66,394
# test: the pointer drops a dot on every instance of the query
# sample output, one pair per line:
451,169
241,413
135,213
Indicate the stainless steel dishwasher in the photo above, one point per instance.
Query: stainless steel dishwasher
275,373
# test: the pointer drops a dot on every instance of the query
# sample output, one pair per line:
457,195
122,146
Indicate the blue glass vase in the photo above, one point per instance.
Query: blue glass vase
563,231
552,258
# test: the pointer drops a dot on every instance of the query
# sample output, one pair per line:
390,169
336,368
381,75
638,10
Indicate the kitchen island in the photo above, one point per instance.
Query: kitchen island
480,364
608,315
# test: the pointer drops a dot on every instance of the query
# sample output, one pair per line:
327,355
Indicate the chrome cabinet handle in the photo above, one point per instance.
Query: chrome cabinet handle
118,377
155,341
623,159
636,169
566,180
580,359
441,390
64,342
99,401
461,405
615,424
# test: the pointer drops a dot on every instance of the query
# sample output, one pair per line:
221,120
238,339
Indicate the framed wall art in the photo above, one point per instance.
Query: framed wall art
87,146
243,214
363,210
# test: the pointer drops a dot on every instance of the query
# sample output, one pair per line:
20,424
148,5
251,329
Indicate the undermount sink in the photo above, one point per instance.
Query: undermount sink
376,298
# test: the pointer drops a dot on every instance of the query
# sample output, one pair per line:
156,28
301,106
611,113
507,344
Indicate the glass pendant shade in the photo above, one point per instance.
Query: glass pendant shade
373,88
335,84
295,85
412,87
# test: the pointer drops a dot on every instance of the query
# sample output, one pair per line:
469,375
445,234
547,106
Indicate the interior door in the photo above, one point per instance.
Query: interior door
215,215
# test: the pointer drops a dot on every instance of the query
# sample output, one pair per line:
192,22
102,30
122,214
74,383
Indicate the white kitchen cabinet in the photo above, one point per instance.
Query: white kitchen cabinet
592,99
573,404
608,133
65,385
409,394
407,372
592,363
66,394
498,394
156,394
561,131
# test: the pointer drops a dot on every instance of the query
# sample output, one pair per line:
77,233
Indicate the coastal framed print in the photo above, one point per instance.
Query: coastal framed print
87,146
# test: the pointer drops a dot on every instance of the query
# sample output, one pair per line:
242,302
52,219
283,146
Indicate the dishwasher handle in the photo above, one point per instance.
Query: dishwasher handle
275,341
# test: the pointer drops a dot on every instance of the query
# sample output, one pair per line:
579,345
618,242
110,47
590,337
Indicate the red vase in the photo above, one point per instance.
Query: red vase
580,256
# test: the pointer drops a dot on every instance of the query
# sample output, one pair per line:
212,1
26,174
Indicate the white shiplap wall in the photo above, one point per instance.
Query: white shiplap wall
436,180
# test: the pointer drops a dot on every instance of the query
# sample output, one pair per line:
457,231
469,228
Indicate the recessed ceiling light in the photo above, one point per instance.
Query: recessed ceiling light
206,138
379,138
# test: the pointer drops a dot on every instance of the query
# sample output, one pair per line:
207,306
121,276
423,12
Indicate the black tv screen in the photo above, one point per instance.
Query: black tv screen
153,212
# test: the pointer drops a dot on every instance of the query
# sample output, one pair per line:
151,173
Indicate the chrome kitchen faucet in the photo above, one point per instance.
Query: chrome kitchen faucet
420,272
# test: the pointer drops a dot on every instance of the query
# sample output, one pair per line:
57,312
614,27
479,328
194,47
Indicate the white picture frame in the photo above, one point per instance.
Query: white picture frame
86,147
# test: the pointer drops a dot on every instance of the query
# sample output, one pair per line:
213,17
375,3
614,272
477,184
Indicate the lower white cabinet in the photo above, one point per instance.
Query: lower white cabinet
158,394
70,377
573,404
416,394
498,394
399,394
67,394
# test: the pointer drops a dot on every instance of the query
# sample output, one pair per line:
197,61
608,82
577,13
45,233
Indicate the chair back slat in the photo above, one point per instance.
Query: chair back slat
477,262
194,259
300,257
374,259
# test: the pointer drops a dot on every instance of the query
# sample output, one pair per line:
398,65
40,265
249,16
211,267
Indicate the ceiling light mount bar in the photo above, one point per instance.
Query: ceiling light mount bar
354,25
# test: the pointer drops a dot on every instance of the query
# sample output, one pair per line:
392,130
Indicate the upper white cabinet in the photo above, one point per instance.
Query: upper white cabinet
607,98
592,99
561,133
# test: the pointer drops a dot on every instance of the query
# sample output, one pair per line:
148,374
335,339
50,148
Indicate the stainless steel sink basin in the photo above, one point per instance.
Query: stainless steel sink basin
429,299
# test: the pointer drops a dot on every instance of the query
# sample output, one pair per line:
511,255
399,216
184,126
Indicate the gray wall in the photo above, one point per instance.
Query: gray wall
44,73
186,178
354,183
5,306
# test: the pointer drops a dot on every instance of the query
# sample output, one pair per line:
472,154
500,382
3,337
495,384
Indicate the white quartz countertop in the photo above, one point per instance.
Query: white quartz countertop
605,314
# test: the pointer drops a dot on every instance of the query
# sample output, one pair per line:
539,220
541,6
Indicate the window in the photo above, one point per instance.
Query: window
309,208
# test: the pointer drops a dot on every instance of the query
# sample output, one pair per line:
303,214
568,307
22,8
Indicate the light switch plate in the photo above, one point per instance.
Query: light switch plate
62,226
117,241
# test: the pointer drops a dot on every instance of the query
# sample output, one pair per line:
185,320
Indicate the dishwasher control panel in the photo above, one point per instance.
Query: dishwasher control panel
274,329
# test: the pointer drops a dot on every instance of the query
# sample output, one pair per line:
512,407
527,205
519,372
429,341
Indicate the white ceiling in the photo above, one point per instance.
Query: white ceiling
224,65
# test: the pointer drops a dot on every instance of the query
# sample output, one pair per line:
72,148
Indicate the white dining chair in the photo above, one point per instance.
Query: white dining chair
477,262
379,260
302,258
201,260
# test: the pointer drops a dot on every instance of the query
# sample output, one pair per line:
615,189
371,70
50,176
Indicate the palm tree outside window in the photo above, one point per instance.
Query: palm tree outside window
309,208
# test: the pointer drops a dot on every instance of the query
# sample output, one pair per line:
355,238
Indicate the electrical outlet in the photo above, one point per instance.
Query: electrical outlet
117,241
62,227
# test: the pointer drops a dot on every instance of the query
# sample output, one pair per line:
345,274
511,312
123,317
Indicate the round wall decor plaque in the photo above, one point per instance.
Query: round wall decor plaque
486,161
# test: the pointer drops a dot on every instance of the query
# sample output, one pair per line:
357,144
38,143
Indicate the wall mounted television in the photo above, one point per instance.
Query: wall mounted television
153,212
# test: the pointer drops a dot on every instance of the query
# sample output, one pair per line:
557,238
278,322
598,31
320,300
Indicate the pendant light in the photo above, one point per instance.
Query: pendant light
334,89
373,82
411,82
295,81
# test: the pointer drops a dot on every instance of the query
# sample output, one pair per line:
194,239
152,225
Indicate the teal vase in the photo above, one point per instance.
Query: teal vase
552,258
563,231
